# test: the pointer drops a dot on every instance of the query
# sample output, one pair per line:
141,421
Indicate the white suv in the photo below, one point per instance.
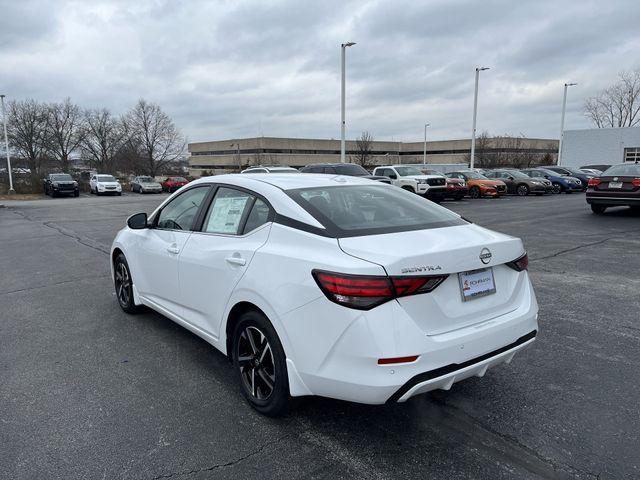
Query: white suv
412,179
102,183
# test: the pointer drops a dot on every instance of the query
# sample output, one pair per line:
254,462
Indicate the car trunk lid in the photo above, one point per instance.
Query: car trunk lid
449,250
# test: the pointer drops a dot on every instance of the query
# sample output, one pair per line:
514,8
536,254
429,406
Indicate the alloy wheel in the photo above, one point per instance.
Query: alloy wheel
256,363
557,188
123,284
523,190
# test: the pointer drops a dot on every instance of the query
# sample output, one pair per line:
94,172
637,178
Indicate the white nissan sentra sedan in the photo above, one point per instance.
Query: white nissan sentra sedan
329,285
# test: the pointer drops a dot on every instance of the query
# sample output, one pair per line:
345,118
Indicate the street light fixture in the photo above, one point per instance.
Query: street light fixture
424,155
6,146
564,107
342,124
475,112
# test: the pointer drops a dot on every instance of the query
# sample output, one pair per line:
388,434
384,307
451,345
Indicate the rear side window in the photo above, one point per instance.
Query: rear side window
180,212
227,211
356,210
259,215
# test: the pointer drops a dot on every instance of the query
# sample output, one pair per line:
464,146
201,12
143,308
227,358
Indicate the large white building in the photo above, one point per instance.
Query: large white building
600,146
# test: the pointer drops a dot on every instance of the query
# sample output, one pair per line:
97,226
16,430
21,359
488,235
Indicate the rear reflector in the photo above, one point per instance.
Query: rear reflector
363,292
520,264
390,361
593,182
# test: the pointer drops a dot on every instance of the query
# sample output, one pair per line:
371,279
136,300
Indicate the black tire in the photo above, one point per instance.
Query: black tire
53,193
474,192
522,190
598,209
408,189
261,367
119,194
557,188
76,194
122,278
458,197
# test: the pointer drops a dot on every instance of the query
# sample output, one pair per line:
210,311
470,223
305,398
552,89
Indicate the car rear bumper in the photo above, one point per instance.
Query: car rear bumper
613,200
348,368
443,378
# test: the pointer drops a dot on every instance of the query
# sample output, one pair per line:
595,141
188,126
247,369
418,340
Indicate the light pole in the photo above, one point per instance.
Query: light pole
564,107
6,145
424,155
237,145
475,112
342,91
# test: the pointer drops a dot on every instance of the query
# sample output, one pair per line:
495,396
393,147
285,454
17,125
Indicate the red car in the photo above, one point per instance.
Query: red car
171,184
456,189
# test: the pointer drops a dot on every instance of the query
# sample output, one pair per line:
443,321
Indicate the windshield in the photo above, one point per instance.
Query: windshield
356,210
516,174
179,179
544,171
632,170
352,170
106,178
574,170
63,177
145,179
406,171
474,176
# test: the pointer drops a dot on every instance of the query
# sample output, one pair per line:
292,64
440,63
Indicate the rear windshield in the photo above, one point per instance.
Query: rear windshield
354,210
632,170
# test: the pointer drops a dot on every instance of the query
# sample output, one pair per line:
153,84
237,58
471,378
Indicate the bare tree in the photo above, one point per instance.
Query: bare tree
26,124
103,140
618,105
65,131
364,149
154,136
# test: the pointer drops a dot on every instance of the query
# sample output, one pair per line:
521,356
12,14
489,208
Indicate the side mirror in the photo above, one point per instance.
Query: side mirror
546,176
393,176
137,221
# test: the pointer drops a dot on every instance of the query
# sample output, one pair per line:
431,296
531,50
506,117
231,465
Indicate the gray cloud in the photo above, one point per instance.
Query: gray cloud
226,69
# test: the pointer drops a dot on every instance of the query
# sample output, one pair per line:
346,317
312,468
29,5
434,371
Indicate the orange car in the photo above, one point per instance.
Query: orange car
479,185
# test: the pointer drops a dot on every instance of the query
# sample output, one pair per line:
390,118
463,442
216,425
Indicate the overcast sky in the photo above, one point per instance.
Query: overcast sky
232,69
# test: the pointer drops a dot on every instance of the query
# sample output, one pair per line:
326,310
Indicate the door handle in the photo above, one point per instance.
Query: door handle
236,260
173,249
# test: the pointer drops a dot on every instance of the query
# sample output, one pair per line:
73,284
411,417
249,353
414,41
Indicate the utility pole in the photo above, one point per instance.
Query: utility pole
6,146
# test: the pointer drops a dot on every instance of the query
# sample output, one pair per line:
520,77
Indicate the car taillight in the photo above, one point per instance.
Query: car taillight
520,264
593,182
635,182
363,292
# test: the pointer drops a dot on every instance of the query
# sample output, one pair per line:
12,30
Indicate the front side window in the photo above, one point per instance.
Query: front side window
227,211
180,212
371,209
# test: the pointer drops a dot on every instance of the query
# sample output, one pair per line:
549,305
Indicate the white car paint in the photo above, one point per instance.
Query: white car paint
196,278
417,183
104,183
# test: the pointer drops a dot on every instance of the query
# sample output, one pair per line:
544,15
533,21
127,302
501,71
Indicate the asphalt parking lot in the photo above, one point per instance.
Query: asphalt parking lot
89,392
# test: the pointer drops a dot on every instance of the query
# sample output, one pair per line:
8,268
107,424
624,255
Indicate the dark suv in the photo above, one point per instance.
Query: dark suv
349,169
56,184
